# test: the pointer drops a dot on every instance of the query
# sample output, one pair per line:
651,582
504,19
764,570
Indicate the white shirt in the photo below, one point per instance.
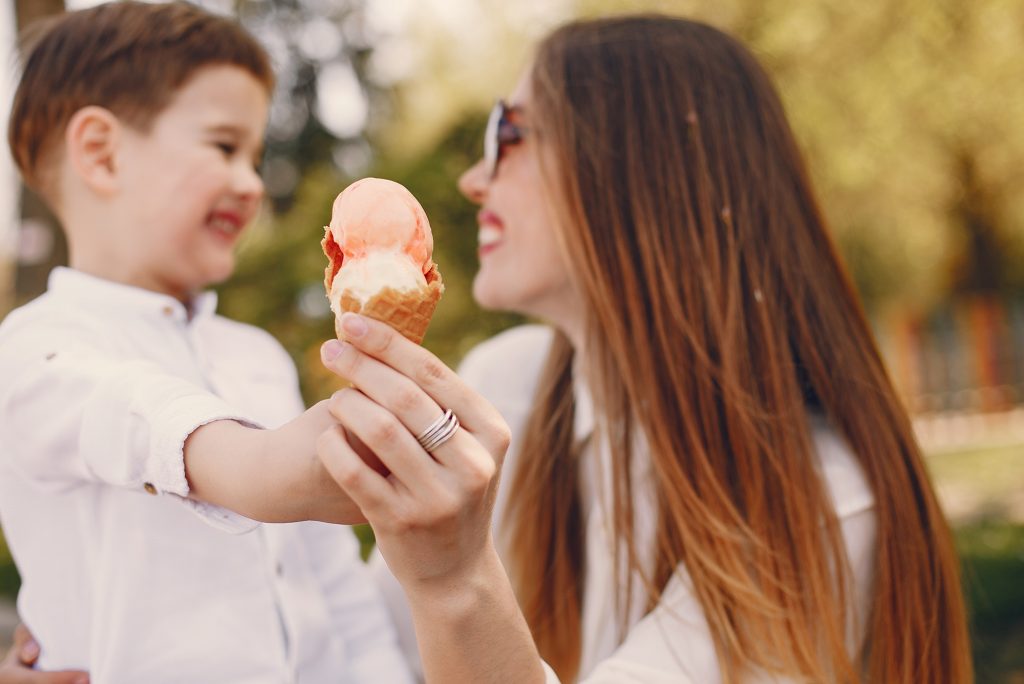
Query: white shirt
123,576
672,643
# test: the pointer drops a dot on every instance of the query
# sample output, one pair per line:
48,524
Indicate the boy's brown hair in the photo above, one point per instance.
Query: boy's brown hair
128,57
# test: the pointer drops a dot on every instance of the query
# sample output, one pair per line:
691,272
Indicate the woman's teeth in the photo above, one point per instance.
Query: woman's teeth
488,236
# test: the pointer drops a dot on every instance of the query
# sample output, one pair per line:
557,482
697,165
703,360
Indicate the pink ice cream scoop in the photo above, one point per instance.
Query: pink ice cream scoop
379,248
374,213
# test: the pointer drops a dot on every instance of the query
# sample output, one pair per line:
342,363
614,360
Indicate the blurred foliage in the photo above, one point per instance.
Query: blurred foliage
9,578
993,560
912,129
308,40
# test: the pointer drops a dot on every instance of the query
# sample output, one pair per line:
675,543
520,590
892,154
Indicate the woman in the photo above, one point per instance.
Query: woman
716,480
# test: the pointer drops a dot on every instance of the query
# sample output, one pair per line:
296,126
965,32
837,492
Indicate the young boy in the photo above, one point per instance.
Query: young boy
141,125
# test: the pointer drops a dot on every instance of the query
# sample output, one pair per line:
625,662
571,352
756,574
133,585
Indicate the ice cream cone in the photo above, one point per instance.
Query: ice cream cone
378,248
407,311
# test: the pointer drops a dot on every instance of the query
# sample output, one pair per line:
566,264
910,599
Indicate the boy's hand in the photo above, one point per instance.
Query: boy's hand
16,667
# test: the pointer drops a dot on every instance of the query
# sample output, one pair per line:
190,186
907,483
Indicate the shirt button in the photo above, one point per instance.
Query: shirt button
149,488
168,310
279,569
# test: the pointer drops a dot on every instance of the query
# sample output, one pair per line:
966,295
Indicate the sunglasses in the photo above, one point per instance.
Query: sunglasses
500,134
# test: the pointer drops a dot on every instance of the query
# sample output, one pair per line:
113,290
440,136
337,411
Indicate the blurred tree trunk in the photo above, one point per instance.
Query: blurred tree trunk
49,247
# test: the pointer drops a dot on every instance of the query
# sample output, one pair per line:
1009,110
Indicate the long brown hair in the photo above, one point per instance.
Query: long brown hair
719,316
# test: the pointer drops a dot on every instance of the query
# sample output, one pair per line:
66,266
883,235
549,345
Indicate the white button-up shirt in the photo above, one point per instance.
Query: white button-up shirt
671,643
100,384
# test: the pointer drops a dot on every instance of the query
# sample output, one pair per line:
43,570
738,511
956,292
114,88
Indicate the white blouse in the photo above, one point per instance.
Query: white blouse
671,643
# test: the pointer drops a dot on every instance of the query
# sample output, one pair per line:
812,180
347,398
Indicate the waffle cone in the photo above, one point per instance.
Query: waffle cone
407,311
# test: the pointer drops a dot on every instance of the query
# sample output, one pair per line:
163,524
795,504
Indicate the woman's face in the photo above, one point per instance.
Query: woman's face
522,268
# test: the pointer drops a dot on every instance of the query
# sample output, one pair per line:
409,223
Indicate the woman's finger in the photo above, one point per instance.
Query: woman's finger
386,436
369,489
428,372
421,415
385,386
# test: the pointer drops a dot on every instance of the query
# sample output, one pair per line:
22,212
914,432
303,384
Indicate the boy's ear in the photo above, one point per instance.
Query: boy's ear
91,141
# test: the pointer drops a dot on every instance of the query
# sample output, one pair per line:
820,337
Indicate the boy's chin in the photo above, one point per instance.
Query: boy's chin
211,277
221,270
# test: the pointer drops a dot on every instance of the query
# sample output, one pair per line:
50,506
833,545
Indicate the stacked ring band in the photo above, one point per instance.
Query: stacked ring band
439,432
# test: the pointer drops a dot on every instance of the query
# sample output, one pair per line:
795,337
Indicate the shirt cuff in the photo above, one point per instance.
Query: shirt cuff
164,472
171,425
218,517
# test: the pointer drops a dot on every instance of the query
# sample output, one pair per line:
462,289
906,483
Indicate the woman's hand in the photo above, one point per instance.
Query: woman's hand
16,667
432,513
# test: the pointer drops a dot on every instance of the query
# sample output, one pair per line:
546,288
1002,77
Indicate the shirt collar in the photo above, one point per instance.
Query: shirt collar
107,295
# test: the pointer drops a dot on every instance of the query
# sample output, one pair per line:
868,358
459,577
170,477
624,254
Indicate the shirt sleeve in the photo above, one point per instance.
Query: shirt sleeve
73,414
356,607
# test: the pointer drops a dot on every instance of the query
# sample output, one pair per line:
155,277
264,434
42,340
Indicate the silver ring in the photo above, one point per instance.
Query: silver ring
439,432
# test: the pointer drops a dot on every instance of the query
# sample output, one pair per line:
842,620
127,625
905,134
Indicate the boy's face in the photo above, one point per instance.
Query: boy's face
190,184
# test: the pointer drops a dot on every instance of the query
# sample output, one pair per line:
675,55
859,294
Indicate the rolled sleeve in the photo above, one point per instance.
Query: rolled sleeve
72,415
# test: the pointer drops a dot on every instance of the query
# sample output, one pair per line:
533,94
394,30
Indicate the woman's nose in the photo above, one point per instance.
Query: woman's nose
474,181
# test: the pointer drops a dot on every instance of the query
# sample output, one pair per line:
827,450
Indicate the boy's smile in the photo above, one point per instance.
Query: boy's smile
187,187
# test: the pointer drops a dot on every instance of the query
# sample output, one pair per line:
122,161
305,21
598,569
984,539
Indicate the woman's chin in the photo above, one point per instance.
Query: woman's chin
483,291
491,295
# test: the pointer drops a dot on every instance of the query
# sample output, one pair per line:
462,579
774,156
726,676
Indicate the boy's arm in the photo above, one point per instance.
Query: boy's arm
267,475
72,414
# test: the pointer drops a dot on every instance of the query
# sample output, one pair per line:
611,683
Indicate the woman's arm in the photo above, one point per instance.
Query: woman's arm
431,514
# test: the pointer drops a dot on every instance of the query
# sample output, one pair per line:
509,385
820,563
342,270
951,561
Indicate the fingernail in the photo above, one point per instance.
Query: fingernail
354,325
330,350
30,651
84,679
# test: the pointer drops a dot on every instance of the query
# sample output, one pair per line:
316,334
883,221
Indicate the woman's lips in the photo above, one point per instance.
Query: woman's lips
490,231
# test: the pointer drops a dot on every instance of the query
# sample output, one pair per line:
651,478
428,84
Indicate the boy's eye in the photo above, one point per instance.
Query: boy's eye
227,148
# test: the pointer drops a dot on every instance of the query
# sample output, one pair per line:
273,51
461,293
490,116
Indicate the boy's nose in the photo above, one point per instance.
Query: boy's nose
473,182
248,182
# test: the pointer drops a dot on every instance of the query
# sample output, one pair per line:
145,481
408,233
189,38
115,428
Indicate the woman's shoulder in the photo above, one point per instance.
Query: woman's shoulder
508,365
